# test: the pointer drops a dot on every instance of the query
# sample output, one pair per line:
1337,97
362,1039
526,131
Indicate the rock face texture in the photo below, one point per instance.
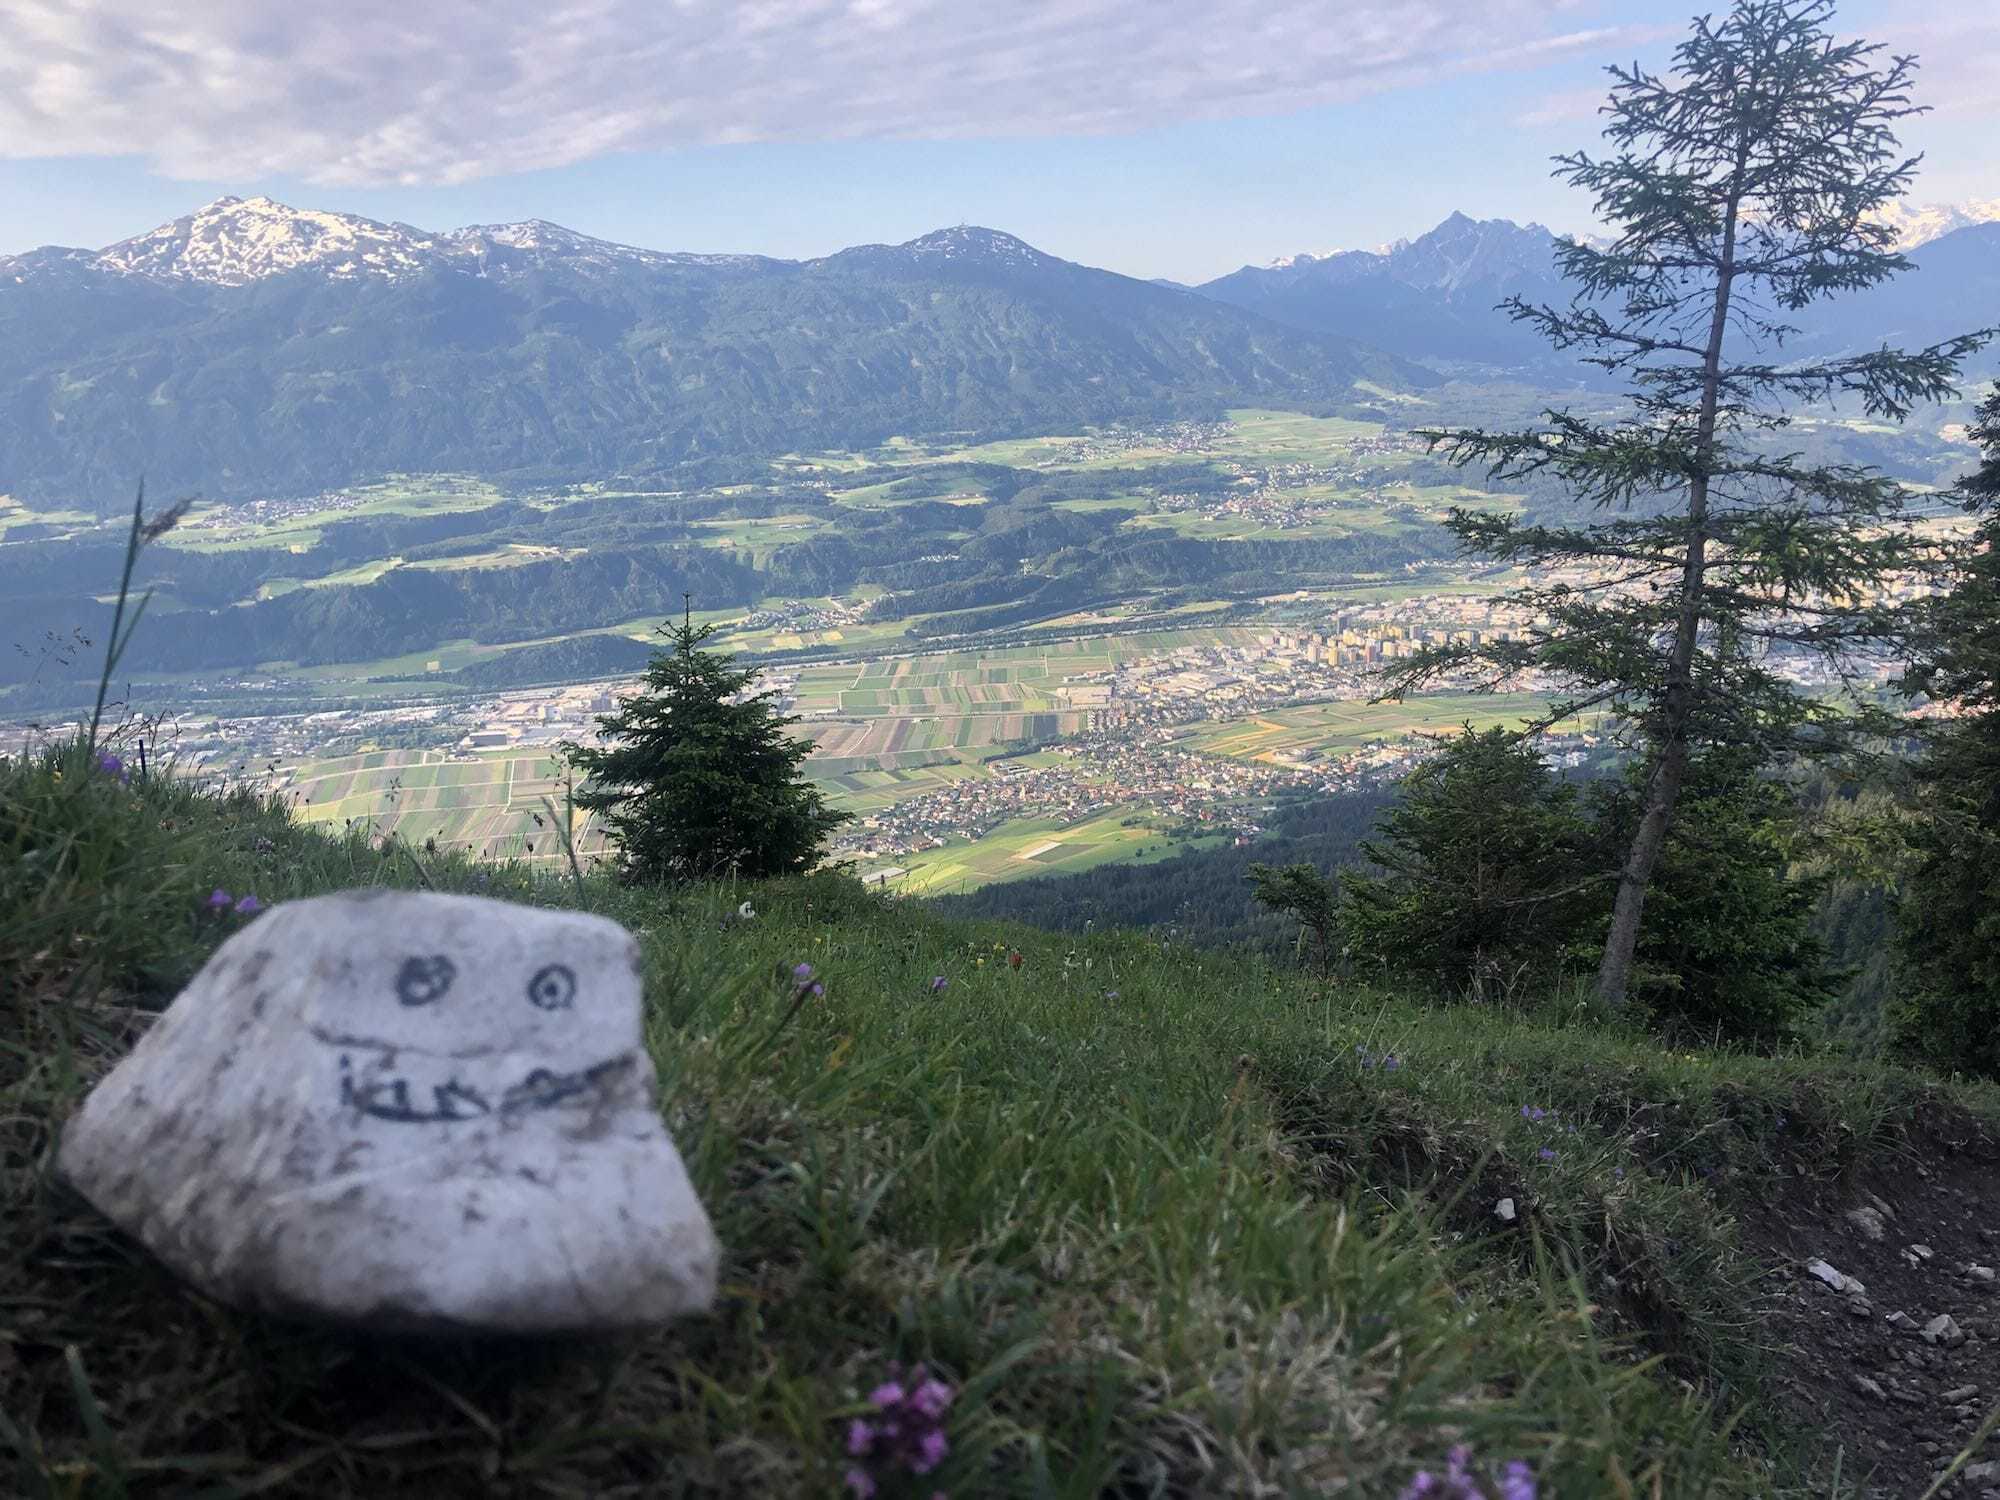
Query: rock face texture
405,1111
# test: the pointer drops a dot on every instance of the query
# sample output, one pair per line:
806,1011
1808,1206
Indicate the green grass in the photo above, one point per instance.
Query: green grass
1151,1210
1034,846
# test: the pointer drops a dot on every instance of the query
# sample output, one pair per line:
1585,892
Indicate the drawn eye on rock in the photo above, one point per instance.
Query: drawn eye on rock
422,980
553,987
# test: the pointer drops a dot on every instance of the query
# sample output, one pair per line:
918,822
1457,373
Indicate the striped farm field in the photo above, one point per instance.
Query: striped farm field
1320,729
485,803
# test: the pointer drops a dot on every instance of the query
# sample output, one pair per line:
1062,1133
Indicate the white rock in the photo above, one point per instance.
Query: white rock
405,1111
1504,1210
1826,1273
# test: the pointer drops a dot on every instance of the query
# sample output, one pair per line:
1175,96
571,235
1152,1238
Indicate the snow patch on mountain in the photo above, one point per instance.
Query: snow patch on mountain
1920,223
971,242
237,240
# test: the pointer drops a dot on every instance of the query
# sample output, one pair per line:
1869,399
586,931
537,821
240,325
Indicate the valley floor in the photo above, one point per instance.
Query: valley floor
1170,1223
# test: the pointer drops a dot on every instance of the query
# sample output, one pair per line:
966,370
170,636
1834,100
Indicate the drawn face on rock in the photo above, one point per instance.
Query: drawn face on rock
459,1025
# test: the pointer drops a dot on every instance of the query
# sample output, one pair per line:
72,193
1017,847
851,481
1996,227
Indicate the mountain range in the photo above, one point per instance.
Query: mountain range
254,348
1434,297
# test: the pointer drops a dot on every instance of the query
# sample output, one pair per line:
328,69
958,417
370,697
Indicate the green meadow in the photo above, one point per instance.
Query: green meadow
1165,1223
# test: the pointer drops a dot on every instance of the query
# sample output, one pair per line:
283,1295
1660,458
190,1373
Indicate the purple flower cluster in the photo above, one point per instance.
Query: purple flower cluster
1458,1482
220,904
1534,1114
110,765
904,1433
938,983
804,984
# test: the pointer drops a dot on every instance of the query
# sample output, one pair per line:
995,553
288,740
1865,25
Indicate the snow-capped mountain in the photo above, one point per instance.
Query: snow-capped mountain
1920,223
235,241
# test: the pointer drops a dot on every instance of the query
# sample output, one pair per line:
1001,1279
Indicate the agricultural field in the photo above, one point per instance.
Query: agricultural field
295,525
885,709
1320,731
483,804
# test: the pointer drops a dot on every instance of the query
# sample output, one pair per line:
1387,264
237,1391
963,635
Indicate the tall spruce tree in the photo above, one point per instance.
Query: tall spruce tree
1949,916
698,778
1702,552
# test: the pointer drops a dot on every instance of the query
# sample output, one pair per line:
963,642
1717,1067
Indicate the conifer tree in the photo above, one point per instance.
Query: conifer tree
698,778
1949,918
1741,187
1486,871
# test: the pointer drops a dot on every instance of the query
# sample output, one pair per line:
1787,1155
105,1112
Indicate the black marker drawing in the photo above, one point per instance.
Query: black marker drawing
391,1100
553,987
422,980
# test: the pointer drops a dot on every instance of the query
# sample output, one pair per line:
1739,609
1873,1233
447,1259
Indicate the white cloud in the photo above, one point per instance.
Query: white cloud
371,92
1567,107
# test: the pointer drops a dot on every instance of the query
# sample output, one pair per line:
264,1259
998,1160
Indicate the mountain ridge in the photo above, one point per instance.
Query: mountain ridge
250,347
1434,297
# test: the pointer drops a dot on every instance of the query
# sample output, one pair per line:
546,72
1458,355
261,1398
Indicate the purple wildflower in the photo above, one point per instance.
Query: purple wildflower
937,984
1460,1482
248,906
1390,1062
905,1434
801,973
111,765
931,1450
931,1399
219,900
1546,1154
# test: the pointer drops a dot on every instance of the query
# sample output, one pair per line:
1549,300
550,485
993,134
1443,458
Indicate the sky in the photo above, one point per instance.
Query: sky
1177,138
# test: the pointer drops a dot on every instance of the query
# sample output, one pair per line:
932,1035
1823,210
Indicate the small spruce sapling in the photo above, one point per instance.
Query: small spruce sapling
697,777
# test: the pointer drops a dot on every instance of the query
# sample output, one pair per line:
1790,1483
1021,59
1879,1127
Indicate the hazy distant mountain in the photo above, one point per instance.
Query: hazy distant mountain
1434,297
250,347
1920,223
1954,288
1428,298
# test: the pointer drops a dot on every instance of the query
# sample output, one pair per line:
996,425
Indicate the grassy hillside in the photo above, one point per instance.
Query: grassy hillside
1169,1225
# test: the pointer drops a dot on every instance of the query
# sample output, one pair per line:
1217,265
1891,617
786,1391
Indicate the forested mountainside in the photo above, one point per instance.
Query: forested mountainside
255,349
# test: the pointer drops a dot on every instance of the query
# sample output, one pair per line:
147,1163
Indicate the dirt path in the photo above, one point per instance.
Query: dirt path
1885,1313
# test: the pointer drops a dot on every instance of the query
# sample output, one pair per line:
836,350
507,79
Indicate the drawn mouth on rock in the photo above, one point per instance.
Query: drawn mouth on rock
396,1100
